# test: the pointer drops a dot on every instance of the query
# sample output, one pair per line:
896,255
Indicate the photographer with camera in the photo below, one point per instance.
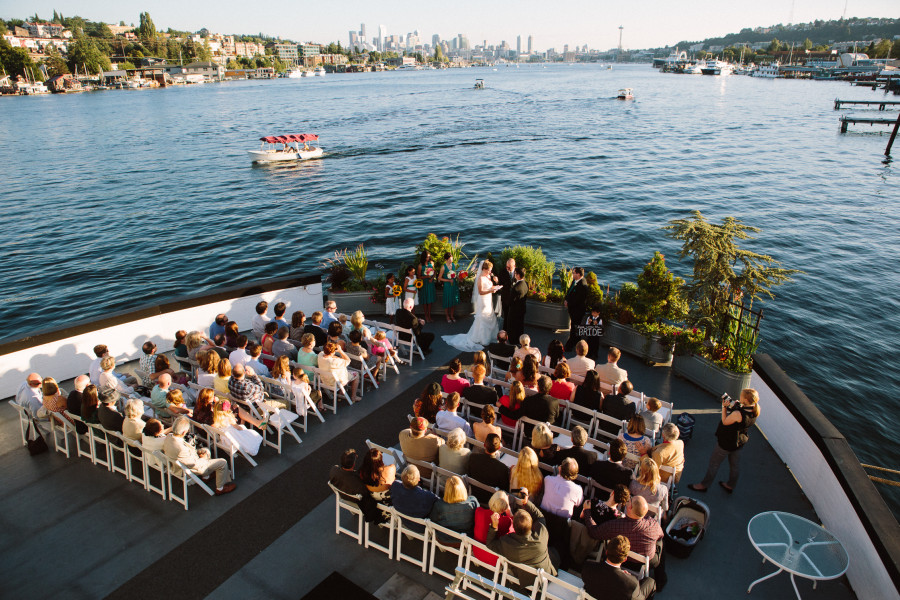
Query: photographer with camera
528,542
731,436
177,447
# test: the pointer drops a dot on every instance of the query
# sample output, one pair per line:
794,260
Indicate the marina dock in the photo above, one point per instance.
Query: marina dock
881,104
846,121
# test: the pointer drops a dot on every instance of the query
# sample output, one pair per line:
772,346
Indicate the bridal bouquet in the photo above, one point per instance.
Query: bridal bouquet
451,275
429,272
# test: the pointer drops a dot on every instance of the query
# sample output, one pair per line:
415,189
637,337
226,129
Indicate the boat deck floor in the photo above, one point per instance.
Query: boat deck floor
73,530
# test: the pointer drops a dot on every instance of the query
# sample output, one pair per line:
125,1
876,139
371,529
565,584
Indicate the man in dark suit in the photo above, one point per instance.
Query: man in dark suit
315,328
478,392
487,468
541,407
607,581
583,457
506,278
610,473
345,477
110,418
618,406
503,348
405,318
515,322
576,305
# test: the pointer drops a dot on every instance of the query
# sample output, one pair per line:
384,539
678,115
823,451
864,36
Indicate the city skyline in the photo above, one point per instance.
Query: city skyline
577,23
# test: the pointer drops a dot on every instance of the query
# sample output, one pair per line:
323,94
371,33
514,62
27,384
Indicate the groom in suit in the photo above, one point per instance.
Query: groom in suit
515,320
506,279
576,305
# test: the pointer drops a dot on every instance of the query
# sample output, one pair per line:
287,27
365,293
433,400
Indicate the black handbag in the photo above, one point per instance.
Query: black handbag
35,441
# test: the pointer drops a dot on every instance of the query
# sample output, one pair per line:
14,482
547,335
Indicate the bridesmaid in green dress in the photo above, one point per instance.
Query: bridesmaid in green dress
427,294
451,289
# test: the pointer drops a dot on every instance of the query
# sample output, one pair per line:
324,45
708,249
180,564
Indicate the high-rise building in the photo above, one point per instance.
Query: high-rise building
530,44
382,33
518,46
435,40
362,32
354,40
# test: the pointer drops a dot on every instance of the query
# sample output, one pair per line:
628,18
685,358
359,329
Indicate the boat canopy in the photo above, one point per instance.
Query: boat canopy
291,137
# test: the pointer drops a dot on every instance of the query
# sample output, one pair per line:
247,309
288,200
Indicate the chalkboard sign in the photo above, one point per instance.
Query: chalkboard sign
590,331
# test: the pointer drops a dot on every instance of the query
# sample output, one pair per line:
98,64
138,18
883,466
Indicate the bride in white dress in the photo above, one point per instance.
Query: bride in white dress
484,329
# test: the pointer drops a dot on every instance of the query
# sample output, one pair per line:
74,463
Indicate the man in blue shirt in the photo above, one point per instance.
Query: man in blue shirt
408,498
218,325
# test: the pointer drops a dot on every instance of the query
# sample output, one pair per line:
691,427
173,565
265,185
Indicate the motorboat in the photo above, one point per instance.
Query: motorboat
693,69
770,71
295,73
280,148
319,71
625,94
479,84
717,67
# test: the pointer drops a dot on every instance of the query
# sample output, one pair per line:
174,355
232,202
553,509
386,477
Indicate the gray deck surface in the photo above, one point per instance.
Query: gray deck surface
73,530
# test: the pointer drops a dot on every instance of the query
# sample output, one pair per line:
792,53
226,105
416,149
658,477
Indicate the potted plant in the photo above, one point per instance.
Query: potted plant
438,247
725,281
346,275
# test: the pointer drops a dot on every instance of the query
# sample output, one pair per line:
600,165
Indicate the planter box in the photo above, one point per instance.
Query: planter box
350,302
710,376
546,314
627,339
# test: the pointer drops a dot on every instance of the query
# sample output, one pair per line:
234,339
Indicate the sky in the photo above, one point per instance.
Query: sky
646,23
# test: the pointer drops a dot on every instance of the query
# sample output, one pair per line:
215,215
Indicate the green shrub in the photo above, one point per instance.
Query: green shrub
538,270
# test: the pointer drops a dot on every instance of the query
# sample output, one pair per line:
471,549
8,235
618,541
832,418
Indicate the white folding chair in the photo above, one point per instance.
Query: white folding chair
280,420
134,454
479,555
359,366
117,447
521,576
60,428
176,470
349,503
154,460
411,344
499,365
563,586
83,445
411,528
389,456
221,441
100,445
24,420
456,546
331,391
466,582
639,559
389,526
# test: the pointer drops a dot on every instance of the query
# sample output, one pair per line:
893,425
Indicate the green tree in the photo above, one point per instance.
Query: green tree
55,63
438,54
774,46
85,53
883,49
232,65
17,61
807,44
3,29
871,49
204,53
146,30
895,51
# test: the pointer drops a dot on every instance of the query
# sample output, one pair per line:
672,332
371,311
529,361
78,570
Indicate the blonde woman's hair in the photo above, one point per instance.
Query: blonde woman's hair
649,475
175,397
134,409
224,369
541,436
193,340
499,502
636,425
455,491
107,363
281,367
526,471
209,362
516,391
306,338
357,318
524,340
479,359
751,398
456,439
222,417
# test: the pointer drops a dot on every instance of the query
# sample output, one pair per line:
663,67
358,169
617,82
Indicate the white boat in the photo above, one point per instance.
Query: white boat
625,94
770,71
281,148
479,84
694,69
319,71
717,67
295,73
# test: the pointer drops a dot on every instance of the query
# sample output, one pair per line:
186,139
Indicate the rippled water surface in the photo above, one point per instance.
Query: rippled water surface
114,199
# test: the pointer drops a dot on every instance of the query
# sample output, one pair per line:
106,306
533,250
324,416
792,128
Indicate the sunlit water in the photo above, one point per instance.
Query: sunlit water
115,199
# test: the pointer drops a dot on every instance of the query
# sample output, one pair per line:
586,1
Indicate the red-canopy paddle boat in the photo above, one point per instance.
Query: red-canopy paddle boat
294,146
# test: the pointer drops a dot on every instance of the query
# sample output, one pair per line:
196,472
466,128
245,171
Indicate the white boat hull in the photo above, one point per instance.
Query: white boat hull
278,156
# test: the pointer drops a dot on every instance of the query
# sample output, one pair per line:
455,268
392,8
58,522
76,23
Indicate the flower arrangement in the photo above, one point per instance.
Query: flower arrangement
397,290
429,272
462,275
419,283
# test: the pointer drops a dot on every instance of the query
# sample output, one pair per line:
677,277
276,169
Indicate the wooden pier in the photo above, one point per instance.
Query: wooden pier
881,104
845,121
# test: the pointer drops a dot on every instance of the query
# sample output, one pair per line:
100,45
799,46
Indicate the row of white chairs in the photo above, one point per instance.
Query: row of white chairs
435,549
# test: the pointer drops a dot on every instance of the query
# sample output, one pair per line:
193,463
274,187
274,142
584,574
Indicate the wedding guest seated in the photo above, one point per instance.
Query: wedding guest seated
515,370
452,381
582,456
239,355
527,544
218,325
608,581
52,398
670,453
258,324
647,484
503,348
542,444
415,443
652,417
611,373
110,418
530,372
588,393
356,324
580,363
556,353
541,406
526,473
161,364
153,438
611,472
209,367
456,511
562,388
497,504
175,403
333,365
307,356
254,351
30,395
218,345
225,422
90,404
487,468
147,363
407,320
448,418
356,349
429,403
478,358
94,370
561,494
203,409
281,370
618,406
244,386
200,462
410,499
510,404
223,377
315,328
180,344
635,440
525,349
330,314
196,342
109,378
454,455
613,508
377,476
232,333
345,477
335,334
133,424
478,392
75,399
298,322
382,349
278,311
267,341
481,429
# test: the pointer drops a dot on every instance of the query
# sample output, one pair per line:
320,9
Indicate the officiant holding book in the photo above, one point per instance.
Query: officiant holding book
576,305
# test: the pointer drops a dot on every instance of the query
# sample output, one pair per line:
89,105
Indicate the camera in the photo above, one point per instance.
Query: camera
518,493
726,399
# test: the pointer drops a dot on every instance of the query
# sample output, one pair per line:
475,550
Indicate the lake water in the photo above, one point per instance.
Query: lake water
115,199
